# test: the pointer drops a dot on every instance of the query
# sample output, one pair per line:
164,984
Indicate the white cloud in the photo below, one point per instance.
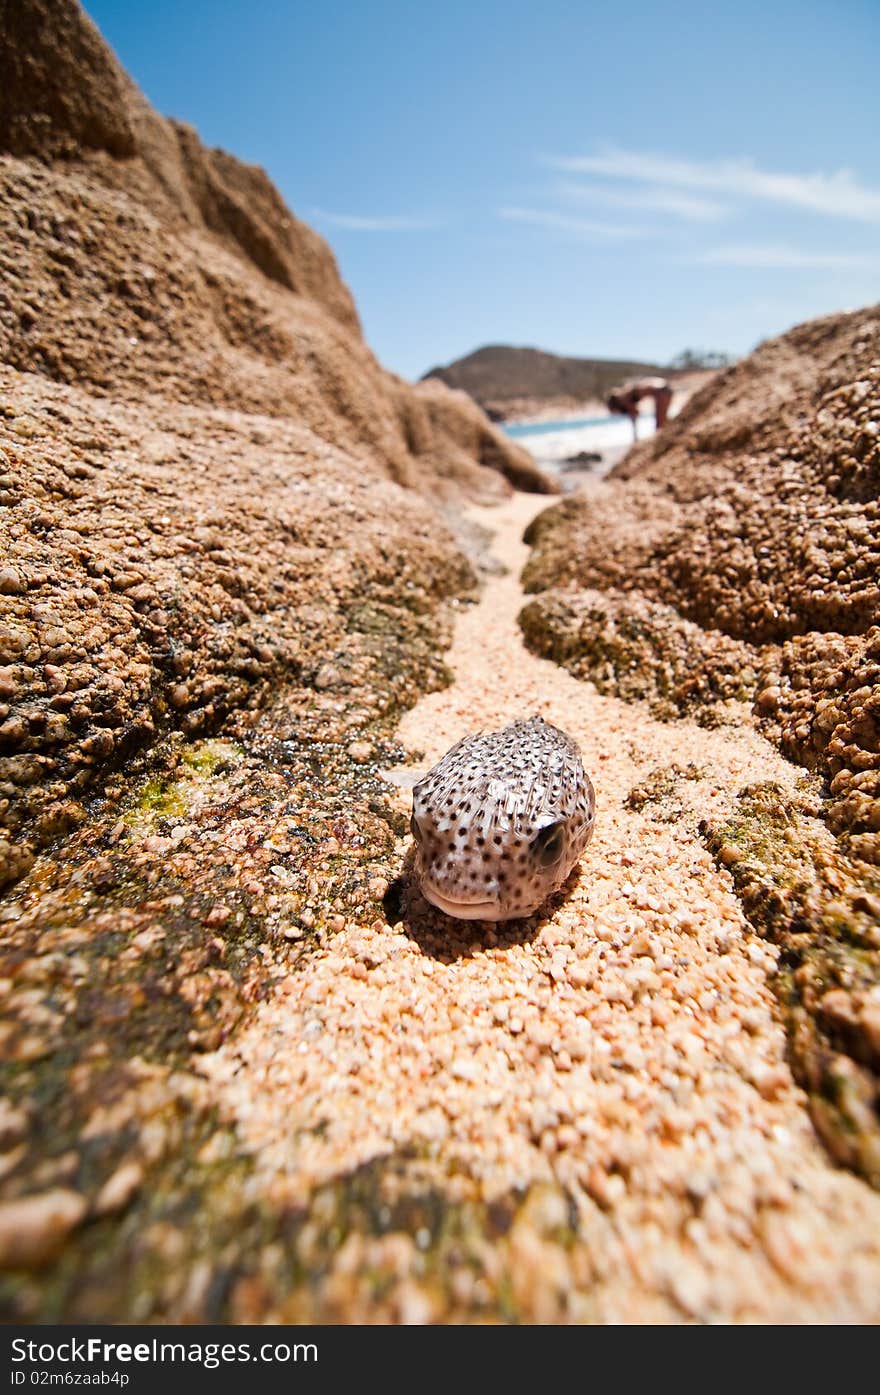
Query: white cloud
357,222
782,257
839,195
585,227
688,206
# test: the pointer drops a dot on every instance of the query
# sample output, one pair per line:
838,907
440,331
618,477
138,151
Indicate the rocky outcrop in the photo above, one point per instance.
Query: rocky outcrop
754,516
163,568
207,479
439,416
634,648
737,555
823,700
136,261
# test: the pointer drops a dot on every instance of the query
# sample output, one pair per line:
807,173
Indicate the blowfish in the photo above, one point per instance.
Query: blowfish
501,820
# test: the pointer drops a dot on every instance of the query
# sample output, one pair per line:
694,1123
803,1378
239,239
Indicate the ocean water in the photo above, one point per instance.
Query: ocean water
519,429
553,444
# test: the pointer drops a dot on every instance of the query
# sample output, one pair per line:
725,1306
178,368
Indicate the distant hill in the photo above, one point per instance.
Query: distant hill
501,374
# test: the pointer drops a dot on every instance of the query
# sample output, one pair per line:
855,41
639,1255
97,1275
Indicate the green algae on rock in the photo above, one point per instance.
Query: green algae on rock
800,890
142,941
131,610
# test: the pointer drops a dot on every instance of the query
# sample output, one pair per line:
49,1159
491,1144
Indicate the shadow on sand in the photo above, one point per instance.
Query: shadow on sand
447,939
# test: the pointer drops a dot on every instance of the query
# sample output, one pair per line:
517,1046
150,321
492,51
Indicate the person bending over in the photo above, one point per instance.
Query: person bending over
624,401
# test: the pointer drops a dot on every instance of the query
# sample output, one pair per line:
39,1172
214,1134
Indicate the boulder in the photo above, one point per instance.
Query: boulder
206,477
754,515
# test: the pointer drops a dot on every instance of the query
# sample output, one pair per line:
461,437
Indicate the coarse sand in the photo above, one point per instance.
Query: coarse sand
620,1051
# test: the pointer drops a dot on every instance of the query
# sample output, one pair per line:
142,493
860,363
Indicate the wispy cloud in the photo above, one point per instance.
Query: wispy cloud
357,222
564,222
839,195
782,257
692,207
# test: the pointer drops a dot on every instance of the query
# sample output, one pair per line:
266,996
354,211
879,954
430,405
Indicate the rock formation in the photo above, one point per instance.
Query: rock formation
202,461
754,516
736,556
245,1078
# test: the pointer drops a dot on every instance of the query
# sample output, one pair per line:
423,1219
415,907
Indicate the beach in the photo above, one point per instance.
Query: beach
555,444
556,438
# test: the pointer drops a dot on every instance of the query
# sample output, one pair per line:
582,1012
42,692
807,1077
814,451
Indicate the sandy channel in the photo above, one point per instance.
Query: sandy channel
621,1050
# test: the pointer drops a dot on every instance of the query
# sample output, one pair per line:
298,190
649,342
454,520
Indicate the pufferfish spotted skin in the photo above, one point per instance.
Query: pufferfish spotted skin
501,820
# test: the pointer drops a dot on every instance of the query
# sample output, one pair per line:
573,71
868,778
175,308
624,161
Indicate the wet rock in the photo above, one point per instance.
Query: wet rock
801,889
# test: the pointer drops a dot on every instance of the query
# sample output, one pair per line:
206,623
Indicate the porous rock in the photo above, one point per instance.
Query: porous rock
206,479
753,515
737,554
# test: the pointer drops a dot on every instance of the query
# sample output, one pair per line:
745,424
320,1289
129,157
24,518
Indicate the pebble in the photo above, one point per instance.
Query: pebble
119,1189
34,1228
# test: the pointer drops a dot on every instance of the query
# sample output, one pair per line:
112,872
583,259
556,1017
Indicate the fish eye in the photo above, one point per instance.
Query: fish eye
414,828
548,844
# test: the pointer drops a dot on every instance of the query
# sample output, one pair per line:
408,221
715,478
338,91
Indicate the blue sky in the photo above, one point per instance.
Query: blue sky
595,179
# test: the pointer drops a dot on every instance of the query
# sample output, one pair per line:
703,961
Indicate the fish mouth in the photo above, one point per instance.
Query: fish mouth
462,910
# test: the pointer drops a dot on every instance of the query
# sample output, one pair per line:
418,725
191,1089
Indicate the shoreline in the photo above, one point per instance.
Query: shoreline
555,451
